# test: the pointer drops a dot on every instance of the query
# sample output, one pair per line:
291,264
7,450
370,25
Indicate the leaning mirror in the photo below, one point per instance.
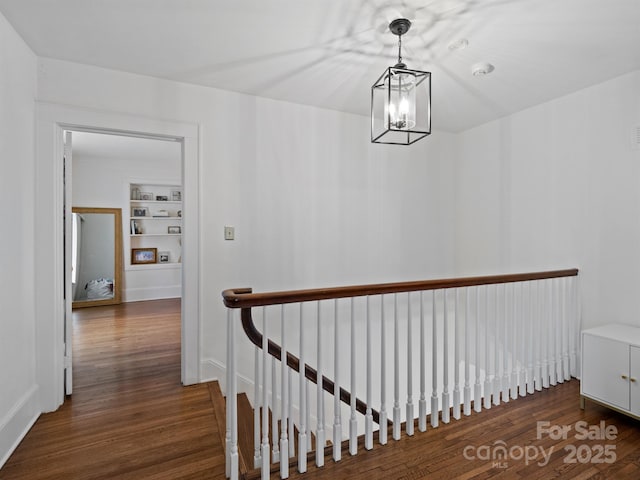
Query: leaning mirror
96,256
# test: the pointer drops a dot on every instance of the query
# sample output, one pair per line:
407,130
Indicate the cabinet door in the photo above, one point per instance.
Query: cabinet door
605,370
635,380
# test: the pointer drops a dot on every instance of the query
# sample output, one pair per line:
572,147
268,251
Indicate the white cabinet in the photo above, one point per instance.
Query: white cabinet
155,225
611,367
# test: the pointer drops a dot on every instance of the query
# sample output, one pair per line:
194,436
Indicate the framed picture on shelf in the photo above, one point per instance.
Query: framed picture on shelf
174,230
176,195
141,256
163,257
146,196
139,212
161,198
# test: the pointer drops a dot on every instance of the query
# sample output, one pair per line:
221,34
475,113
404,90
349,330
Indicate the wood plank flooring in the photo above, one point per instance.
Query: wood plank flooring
458,450
129,417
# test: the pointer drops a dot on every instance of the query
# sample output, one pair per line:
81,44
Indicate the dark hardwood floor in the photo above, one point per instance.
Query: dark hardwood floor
464,449
129,417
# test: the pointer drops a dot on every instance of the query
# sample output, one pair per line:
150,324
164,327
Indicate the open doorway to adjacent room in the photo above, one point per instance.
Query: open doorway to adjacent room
123,253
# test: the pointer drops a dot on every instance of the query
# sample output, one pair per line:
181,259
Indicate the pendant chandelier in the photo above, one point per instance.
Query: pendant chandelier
401,99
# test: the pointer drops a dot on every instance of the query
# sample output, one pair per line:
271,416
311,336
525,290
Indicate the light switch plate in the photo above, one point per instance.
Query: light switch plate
229,233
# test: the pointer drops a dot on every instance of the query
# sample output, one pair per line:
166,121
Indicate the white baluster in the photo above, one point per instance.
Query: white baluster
456,356
275,446
566,367
522,353
545,335
308,422
514,344
434,361
446,402
396,371
422,403
320,431
382,432
302,433
477,387
537,337
353,423
284,375
553,330
574,328
292,436
531,341
487,351
409,420
506,349
264,452
337,416
467,354
257,399
497,378
368,419
559,330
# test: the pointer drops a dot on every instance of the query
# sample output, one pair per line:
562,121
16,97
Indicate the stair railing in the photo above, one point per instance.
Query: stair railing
491,338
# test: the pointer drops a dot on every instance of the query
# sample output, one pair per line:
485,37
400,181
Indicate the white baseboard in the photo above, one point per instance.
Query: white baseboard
151,293
15,425
212,369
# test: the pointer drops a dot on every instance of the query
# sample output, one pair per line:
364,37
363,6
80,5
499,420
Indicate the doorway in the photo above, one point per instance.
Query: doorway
102,173
52,120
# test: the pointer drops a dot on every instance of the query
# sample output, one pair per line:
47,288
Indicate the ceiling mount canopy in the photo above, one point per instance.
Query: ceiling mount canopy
401,99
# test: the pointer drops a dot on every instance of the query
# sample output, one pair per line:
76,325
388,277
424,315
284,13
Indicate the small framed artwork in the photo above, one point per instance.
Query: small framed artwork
146,196
163,257
176,195
139,212
174,230
141,256
161,198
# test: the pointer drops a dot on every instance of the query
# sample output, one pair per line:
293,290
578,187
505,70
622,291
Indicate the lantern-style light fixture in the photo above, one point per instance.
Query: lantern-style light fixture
401,99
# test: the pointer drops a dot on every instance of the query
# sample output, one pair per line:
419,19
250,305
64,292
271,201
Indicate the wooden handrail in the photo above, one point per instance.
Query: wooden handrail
294,362
245,298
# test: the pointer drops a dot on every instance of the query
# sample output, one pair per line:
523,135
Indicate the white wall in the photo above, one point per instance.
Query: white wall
103,167
554,186
18,397
312,201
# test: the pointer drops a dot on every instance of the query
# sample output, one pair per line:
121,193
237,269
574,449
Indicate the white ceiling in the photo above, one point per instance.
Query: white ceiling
327,53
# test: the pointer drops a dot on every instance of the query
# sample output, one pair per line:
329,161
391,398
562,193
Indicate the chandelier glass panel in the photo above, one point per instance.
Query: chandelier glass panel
401,100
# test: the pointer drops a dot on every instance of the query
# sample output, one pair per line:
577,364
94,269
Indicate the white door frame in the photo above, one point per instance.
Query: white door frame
51,120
